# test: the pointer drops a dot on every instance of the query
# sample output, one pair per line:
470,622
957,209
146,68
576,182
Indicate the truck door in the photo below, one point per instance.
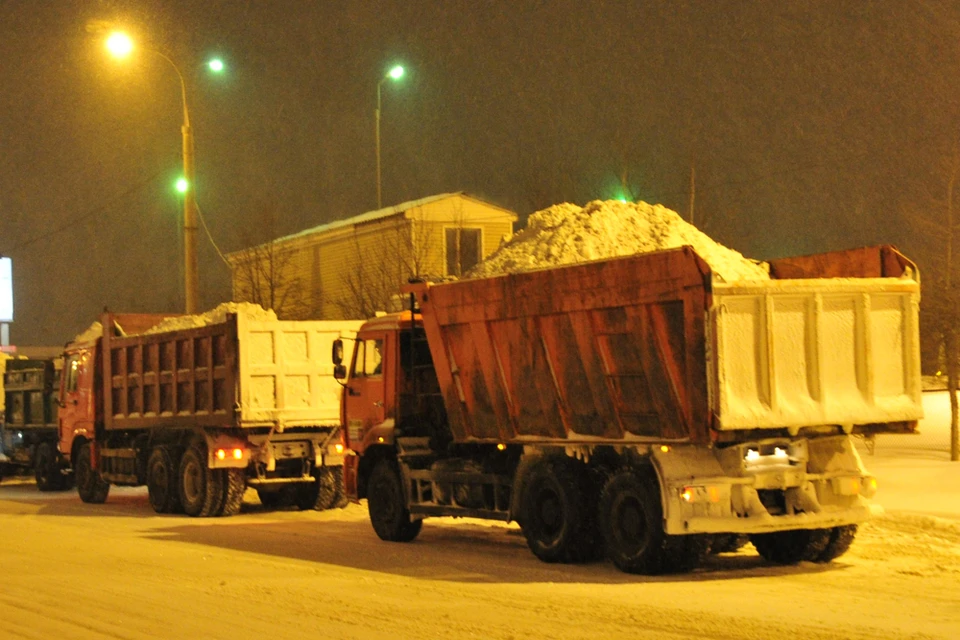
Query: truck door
365,390
76,414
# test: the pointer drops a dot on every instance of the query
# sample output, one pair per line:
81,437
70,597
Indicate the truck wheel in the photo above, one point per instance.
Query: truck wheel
325,493
554,515
162,486
235,484
201,490
47,469
840,540
631,522
91,487
386,503
791,547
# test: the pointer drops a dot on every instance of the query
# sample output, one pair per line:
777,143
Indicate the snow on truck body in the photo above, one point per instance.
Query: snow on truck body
248,396
735,401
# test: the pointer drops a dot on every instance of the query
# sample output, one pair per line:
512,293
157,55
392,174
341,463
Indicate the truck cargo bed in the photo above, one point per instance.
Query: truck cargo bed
650,348
241,373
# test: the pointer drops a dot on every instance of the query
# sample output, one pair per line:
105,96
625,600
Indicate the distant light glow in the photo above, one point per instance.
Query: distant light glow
396,73
216,65
119,44
182,185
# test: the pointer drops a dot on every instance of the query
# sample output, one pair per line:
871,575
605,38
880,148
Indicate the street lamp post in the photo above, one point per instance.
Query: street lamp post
120,45
394,74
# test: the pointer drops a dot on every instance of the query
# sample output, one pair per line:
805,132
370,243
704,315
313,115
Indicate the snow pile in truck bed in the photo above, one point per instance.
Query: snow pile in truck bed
89,334
215,316
568,234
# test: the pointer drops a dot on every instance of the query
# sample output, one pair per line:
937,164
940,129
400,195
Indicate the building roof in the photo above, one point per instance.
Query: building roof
369,216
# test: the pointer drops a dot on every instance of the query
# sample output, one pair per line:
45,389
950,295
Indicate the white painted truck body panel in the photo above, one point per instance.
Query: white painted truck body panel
796,353
286,372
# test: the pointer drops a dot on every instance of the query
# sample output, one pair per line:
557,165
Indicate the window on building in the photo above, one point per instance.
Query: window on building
462,250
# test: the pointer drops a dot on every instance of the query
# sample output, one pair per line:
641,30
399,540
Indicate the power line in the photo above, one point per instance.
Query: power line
86,216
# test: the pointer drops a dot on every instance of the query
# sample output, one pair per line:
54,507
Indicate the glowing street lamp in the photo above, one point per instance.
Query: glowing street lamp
394,74
120,45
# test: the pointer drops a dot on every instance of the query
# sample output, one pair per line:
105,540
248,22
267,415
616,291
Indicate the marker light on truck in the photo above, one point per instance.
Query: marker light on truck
708,493
338,448
868,486
221,454
238,454
501,446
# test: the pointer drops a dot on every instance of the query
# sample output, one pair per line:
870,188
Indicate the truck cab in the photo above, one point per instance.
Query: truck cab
77,414
391,392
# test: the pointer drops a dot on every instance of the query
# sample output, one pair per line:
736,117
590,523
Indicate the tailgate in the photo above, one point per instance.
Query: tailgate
286,372
794,353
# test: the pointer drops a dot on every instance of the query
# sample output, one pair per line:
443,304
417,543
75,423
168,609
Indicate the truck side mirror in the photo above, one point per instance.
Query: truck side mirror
339,372
337,353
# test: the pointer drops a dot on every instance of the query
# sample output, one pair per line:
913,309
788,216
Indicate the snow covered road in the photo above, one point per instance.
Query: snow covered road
118,570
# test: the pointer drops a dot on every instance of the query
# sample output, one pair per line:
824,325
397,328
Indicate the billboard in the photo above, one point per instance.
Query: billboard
6,290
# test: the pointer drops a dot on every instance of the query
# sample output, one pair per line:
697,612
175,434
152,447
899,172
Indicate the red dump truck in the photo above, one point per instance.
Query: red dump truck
200,413
638,407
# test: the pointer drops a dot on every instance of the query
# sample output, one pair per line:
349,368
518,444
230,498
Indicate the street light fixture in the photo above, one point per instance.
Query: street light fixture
394,74
120,45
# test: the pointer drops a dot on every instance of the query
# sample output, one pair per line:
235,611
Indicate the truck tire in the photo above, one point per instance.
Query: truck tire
235,485
201,490
91,487
326,492
791,547
555,517
840,540
631,522
387,505
162,487
46,468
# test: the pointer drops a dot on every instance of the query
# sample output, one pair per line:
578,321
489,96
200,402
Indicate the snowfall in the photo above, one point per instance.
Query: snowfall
119,570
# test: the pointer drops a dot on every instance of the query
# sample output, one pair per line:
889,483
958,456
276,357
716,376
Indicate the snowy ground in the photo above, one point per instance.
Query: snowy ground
119,570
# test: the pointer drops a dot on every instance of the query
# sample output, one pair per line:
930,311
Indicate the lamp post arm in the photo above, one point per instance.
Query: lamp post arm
183,86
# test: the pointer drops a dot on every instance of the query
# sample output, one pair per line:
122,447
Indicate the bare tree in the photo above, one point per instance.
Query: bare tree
267,274
937,223
386,257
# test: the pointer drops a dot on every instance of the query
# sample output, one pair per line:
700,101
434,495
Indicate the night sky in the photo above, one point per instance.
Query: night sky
811,126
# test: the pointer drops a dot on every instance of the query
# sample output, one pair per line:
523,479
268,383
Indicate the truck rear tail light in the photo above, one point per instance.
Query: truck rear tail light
235,453
338,448
868,486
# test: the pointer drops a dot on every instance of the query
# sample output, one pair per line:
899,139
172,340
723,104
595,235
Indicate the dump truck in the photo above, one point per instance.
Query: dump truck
639,408
200,413
28,426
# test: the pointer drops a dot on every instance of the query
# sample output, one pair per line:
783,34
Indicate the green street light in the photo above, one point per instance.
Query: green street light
120,45
394,74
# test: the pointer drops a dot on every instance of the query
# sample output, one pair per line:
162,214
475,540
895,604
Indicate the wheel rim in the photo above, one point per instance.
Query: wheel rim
192,481
629,524
549,512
